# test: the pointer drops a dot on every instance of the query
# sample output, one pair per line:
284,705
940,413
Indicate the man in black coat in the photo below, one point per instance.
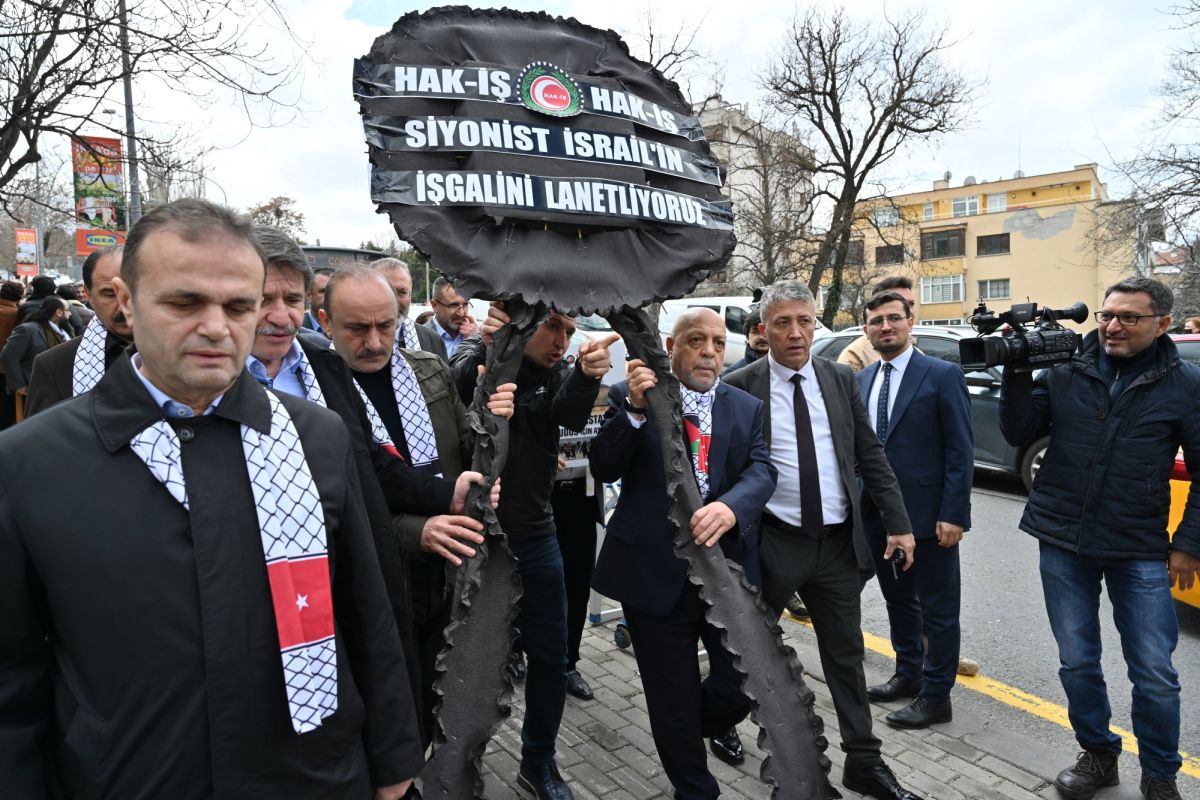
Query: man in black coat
638,566
549,395
145,655
55,371
1117,414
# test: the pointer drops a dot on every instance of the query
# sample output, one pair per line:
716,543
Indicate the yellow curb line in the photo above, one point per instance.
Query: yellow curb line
1018,699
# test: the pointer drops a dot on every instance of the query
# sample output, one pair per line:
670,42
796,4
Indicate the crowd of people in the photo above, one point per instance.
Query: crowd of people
268,466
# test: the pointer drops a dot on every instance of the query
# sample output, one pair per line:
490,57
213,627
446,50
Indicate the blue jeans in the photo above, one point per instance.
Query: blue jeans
1144,614
542,622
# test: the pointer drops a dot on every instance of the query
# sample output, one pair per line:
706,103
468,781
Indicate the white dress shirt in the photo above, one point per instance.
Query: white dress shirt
785,503
899,364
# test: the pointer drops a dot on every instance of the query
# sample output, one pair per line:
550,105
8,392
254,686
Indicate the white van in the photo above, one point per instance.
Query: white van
733,310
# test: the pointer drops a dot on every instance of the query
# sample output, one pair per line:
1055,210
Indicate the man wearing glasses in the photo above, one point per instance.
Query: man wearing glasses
1117,414
450,313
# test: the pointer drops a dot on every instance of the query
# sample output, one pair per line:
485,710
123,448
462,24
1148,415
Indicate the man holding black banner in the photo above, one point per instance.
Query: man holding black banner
549,395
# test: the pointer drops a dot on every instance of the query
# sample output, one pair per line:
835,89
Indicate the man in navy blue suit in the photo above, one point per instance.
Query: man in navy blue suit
921,412
638,566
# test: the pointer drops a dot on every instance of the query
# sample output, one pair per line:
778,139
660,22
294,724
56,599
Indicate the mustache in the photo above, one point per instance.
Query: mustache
119,318
276,330
371,352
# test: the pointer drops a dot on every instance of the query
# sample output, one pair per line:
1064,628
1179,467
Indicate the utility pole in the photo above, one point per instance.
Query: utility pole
135,192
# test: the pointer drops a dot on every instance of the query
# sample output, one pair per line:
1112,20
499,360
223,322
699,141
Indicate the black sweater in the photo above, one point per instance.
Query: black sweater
546,399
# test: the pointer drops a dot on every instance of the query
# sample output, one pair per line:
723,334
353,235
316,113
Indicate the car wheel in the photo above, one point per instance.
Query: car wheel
1032,461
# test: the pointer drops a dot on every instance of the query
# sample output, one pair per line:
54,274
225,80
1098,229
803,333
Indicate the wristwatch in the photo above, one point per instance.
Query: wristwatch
632,409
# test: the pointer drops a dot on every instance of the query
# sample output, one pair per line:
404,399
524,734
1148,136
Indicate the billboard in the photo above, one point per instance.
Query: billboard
99,192
27,252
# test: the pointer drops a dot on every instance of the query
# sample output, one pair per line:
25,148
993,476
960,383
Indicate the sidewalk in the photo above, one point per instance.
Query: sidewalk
606,751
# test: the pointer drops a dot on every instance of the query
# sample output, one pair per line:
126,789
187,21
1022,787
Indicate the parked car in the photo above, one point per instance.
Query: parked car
733,310
1181,484
991,450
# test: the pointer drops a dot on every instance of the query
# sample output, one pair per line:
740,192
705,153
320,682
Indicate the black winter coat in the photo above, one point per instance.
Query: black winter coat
1104,486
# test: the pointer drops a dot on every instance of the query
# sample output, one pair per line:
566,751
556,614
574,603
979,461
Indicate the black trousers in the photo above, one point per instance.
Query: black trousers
682,708
825,573
927,597
575,517
431,614
8,405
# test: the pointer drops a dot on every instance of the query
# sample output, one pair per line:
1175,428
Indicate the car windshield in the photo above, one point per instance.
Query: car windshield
592,322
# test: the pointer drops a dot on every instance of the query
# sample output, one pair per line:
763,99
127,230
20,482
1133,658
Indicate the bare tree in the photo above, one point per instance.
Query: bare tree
769,182
675,52
172,171
861,92
62,62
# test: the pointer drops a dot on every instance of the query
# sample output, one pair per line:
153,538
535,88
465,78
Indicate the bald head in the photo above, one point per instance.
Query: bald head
360,315
697,348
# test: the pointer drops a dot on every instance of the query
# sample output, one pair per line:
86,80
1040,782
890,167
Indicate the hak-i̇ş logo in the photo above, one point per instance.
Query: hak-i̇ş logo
547,89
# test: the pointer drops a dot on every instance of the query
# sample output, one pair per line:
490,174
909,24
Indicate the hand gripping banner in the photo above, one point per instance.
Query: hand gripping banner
533,159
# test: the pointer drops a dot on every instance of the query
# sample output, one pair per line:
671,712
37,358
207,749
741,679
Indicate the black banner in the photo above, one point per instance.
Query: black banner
499,85
459,134
585,196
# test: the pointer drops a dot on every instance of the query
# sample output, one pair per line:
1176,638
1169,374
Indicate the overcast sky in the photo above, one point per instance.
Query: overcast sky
1067,82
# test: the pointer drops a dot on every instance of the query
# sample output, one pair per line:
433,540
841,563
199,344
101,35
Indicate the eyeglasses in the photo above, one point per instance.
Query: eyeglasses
1128,320
451,306
893,320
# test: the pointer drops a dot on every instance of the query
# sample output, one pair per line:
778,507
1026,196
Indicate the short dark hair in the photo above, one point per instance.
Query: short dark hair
1162,300
45,309
892,282
883,298
355,272
11,290
67,292
41,286
93,260
281,250
751,323
193,220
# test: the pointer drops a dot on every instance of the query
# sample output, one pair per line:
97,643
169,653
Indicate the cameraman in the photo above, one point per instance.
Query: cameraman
1117,413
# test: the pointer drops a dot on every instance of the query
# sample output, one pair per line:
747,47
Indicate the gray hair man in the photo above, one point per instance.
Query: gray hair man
812,539
409,335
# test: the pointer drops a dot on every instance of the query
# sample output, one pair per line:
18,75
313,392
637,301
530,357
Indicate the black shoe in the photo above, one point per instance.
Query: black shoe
1093,769
878,781
728,747
544,782
516,667
920,713
896,687
796,608
1159,788
577,686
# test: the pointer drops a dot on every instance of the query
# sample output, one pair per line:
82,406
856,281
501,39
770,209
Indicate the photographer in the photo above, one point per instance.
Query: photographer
1117,414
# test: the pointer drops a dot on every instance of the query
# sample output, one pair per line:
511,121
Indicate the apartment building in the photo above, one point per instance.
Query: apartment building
1024,239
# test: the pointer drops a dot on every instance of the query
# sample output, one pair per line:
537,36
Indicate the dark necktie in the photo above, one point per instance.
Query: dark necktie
811,518
881,410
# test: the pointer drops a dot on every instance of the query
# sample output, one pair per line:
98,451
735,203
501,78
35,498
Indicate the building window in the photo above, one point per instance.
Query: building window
854,252
885,216
942,289
929,210
942,322
941,244
997,203
995,289
994,245
891,254
823,298
966,206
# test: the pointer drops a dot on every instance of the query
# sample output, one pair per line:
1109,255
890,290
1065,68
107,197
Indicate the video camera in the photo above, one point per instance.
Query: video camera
1044,344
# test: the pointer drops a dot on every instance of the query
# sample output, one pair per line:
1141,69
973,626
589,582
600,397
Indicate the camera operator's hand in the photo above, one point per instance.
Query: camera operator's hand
1183,567
905,542
949,534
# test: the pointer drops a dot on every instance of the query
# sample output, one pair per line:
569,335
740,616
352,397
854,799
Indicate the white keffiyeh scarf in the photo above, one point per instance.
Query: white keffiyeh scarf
89,358
414,415
406,336
291,525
